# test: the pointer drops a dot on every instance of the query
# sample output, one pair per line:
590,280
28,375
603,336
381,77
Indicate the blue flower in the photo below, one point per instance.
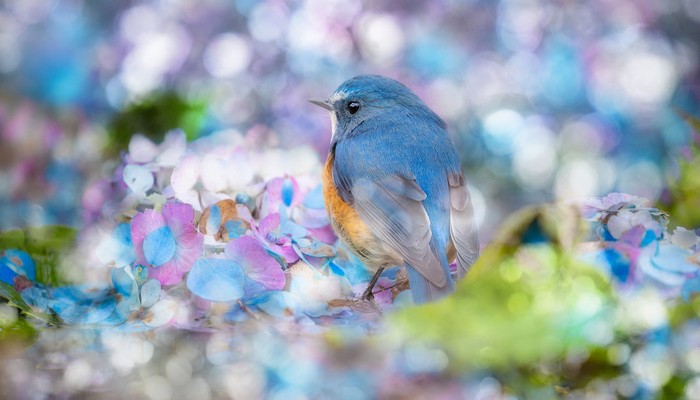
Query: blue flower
217,279
117,250
140,304
82,304
15,263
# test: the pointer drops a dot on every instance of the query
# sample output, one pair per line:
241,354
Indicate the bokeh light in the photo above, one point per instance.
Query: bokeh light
545,101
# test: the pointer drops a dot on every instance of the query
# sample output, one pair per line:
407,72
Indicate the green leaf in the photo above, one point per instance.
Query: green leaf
154,116
683,191
18,330
521,304
9,293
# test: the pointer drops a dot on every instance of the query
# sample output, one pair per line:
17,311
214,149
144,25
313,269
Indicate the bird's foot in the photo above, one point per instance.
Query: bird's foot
368,295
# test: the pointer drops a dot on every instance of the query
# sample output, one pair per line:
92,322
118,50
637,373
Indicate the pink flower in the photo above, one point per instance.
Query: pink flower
612,202
167,242
264,231
257,264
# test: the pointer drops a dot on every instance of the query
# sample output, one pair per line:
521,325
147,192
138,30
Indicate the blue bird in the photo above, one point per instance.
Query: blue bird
394,188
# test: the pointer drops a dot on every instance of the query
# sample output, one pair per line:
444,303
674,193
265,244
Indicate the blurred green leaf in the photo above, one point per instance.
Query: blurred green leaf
15,330
9,293
683,200
153,117
527,299
47,245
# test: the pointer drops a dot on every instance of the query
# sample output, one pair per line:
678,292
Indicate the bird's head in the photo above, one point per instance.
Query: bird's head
366,97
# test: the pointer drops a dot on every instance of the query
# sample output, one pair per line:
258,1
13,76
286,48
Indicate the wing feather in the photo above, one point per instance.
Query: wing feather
392,208
462,224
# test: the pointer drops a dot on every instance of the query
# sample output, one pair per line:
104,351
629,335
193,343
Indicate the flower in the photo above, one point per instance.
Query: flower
142,305
138,178
280,193
167,242
217,279
208,177
143,151
611,202
15,263
76,305
625,220
670,265
221,220
258,265
264,231
311,290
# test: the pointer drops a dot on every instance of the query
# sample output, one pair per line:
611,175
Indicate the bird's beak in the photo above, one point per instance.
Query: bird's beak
323,104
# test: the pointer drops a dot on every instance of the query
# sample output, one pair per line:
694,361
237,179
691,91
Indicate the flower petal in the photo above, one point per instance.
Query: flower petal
161,313
150,293
117,249
172,149
180,220
185,174
141,225
258,265
159,246
287,191
314,199
86,314
216,279
142,149
213,173
123,283
138,178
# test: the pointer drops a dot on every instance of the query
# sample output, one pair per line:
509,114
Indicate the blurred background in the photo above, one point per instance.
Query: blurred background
544,99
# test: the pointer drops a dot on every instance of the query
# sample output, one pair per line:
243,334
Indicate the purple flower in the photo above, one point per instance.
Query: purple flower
280,193
265,232
167,242
625,220
258,265
611,202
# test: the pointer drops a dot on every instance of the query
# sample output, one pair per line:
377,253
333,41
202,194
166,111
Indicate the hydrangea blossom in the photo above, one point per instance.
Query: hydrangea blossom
167,241
16,263
636,247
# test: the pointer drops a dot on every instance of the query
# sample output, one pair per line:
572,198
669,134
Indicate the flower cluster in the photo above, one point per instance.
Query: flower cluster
637,248
192,215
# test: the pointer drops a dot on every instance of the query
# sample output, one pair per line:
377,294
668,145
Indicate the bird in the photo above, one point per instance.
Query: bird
394,187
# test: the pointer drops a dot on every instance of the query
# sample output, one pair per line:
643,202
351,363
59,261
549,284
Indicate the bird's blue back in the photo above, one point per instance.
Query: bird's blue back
408,145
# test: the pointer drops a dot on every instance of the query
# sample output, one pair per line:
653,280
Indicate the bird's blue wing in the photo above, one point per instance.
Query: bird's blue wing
462,224
390,202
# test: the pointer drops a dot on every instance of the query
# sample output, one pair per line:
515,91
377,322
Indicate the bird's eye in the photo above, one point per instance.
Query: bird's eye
353,107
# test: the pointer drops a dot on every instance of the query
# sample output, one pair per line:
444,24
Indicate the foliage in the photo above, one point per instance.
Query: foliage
522,303
683,197
154,116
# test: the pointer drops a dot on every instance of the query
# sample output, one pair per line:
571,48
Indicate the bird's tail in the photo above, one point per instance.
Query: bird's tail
422,290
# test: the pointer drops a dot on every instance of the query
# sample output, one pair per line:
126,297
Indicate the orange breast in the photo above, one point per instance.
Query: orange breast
345,220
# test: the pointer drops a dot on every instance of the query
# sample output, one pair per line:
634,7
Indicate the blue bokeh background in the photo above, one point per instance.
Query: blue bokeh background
544,99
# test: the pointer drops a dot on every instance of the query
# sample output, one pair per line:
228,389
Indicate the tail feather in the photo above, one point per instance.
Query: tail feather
422,290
